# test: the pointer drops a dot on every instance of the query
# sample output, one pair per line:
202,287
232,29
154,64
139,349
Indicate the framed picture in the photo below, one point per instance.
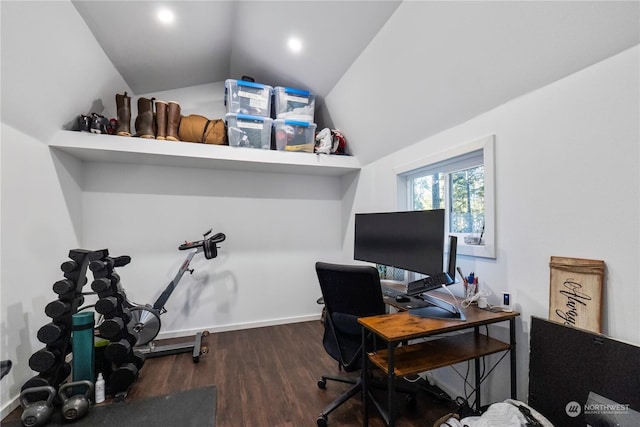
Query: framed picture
575,295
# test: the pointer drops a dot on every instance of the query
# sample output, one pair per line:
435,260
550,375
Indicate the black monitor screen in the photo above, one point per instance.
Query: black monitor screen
412,240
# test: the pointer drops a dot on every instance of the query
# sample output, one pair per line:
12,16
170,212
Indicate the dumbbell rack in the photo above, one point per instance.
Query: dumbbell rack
122,362
50,362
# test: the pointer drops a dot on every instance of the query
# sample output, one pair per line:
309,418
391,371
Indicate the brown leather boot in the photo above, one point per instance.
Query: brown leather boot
173,120
161,120
144,121
123,105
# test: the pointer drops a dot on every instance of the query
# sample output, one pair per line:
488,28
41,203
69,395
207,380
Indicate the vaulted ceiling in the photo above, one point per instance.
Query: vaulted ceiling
211,41
392,72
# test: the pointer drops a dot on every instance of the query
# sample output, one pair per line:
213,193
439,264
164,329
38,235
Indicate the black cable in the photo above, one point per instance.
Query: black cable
484,361
466,381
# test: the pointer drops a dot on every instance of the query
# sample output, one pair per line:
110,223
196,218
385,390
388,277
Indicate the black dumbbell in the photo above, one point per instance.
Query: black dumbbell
111,329
118,352
69,266
122,377
45,359
51,332
56,309
101,285
64,286
106,305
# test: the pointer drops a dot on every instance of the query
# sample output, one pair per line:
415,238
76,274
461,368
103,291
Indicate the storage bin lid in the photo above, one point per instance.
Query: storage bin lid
293,122
247,84
293,91
241,116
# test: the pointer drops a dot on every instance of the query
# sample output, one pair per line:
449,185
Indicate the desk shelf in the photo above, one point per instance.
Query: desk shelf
117,149
415,358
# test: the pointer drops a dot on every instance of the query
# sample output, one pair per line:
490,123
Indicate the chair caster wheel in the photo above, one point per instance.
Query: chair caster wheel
411,401
322,383
322,421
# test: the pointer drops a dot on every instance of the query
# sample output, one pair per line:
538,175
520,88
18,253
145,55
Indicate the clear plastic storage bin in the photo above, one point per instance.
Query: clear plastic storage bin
294,104
246,130
295,135
244,97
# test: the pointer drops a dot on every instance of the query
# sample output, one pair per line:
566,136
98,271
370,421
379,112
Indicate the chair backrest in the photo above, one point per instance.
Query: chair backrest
350,289
349,292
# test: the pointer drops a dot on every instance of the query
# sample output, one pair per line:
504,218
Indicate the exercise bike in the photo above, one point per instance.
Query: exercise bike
145,321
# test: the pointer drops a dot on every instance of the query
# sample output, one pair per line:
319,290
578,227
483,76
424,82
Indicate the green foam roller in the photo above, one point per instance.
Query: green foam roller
83,346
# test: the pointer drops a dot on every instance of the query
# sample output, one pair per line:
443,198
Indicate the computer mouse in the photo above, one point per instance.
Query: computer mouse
402,298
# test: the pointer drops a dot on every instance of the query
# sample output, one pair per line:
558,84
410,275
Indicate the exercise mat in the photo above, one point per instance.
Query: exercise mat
191,408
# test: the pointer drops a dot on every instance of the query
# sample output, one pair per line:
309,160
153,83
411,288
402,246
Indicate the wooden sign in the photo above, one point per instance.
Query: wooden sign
575,297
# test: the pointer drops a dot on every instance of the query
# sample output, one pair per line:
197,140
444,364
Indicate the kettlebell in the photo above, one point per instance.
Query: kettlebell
36,413
75,406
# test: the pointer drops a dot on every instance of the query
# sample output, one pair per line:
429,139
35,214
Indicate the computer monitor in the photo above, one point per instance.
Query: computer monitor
432,282
410,240
451,260
438,308
413,241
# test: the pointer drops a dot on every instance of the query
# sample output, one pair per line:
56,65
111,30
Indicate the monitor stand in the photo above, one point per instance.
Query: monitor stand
439,309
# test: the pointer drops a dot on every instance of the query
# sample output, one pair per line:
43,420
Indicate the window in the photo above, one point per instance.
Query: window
391,273
461,181
456,186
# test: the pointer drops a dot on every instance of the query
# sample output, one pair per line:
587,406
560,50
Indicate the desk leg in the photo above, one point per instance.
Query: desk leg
512,353
365,375
391,398
476,361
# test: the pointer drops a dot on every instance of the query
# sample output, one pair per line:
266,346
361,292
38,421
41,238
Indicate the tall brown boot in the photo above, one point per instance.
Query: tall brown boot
123,105
144,121
173,120
161,120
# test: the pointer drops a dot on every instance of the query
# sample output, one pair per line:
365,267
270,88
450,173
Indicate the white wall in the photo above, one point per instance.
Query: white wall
567,184
205,100
277,226
435,64
52,70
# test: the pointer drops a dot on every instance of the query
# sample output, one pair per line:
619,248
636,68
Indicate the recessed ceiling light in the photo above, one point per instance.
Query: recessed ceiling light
165,16
295,44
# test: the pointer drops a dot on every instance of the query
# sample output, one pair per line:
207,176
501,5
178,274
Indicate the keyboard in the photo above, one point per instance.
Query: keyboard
429,283
388,291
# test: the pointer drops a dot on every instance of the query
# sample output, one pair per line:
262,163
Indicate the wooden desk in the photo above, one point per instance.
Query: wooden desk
396,328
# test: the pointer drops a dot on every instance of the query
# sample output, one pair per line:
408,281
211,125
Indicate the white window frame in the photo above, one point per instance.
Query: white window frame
487,146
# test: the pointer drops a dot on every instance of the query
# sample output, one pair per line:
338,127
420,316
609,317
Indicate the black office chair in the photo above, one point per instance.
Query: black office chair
349,292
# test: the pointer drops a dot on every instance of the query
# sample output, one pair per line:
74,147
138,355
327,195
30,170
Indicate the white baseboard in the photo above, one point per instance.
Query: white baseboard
9,407
238,326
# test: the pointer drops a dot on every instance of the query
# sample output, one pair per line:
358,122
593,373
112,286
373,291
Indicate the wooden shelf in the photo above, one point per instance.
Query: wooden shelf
116,149
425,356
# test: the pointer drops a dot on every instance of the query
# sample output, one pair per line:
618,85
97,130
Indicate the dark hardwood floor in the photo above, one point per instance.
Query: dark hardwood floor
268,377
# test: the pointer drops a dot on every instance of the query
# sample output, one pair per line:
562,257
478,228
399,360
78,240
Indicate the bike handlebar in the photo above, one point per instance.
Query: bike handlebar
216,238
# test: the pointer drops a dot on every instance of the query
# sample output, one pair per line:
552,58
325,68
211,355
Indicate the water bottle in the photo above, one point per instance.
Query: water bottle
100,389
